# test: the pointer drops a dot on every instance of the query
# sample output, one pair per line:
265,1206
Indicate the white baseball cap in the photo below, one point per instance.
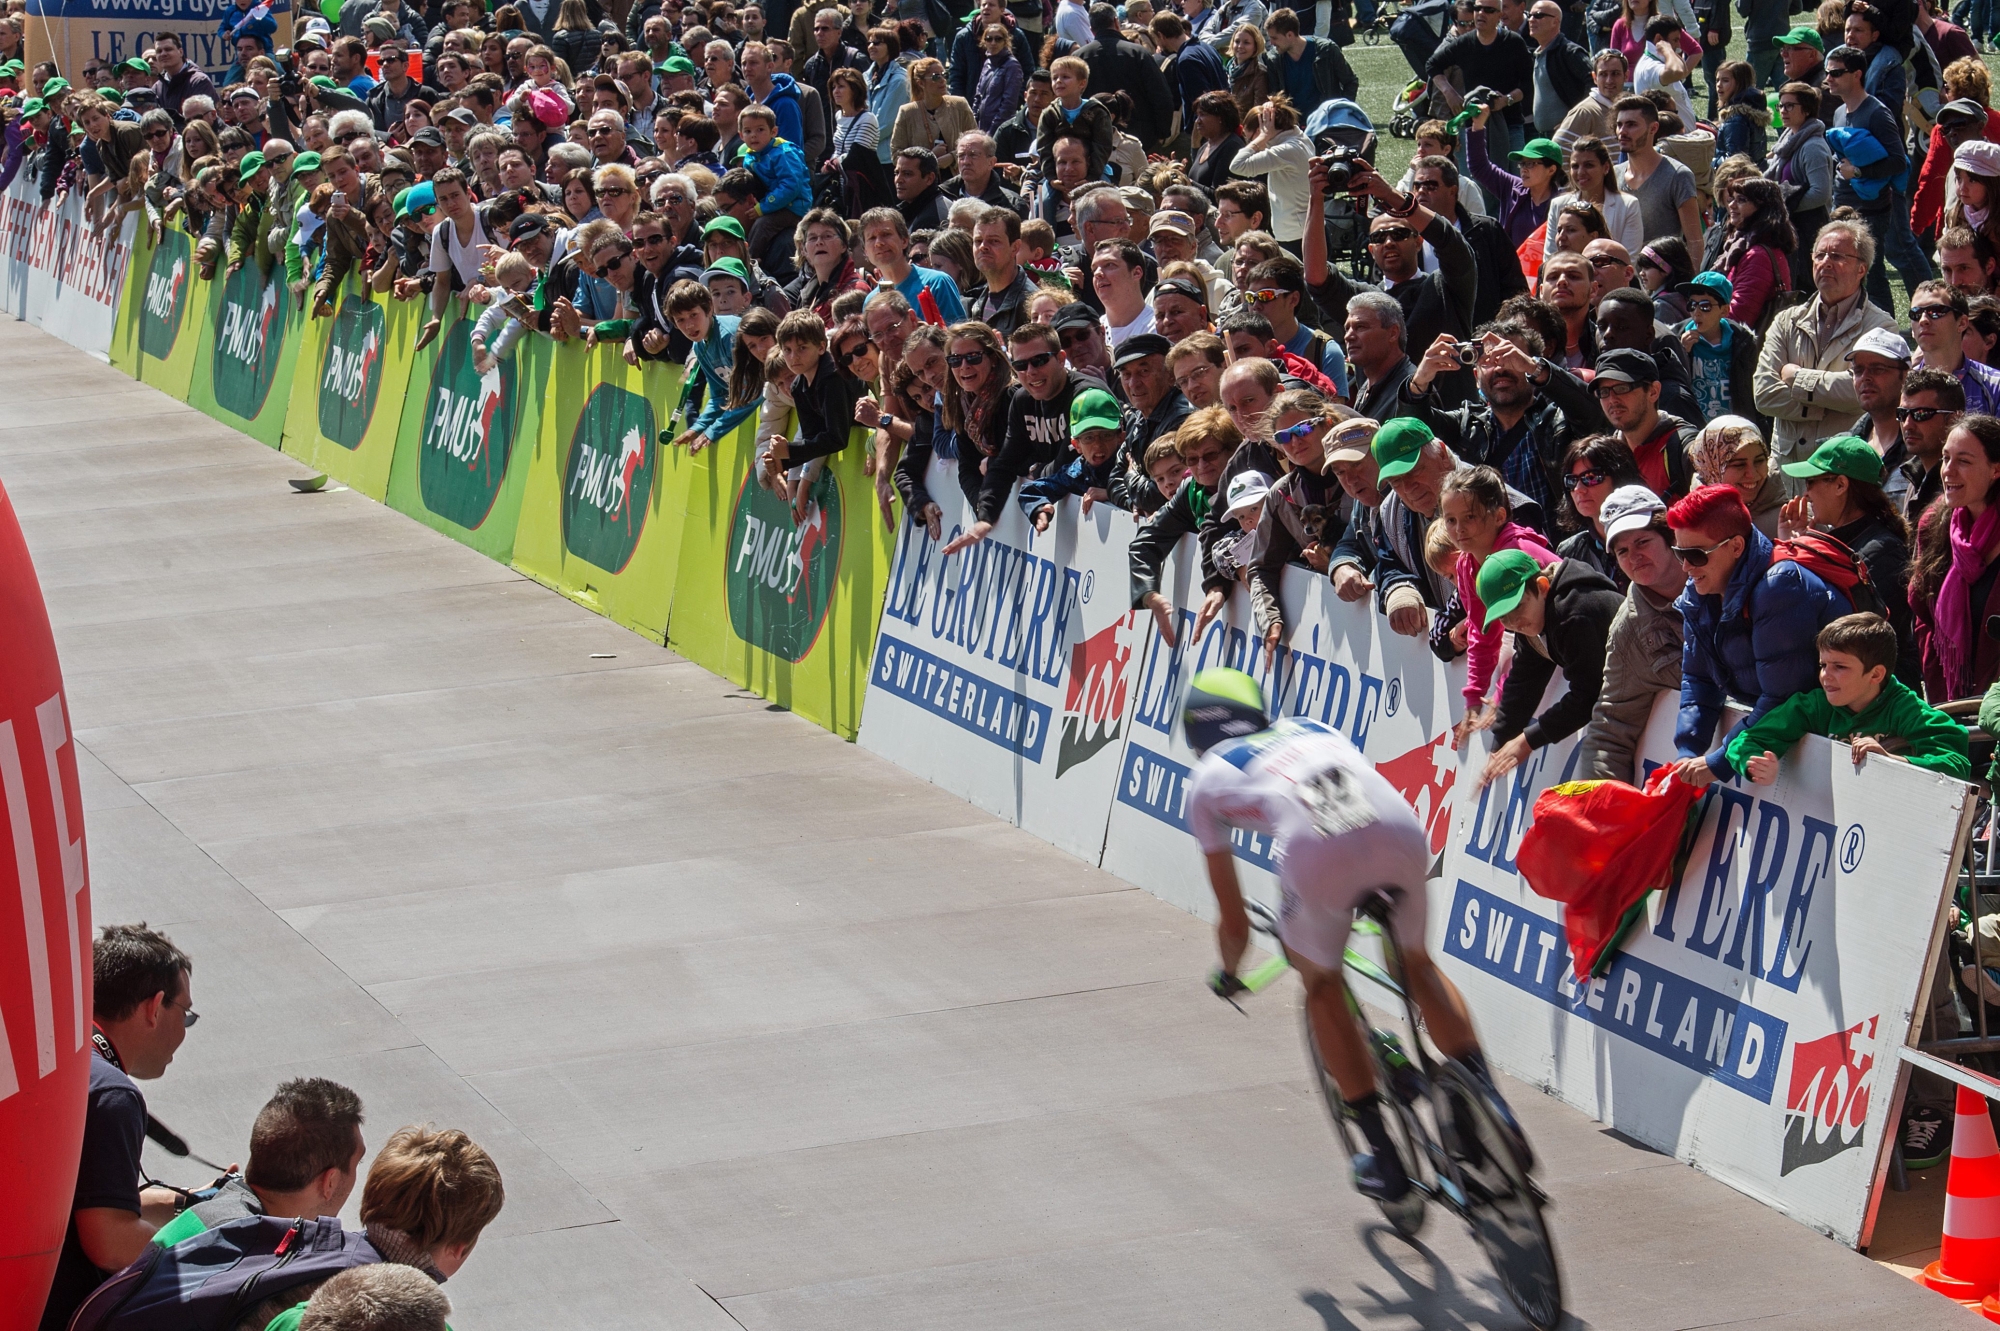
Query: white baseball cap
1628,508
1247,490
1882,342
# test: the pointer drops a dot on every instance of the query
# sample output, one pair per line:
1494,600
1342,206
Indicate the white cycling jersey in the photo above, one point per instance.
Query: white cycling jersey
1340,832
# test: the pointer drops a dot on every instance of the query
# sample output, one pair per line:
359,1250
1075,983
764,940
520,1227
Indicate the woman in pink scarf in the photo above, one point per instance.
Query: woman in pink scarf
1957,584
1472,504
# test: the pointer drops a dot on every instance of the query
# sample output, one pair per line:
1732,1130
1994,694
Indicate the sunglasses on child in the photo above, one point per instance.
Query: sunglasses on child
612,265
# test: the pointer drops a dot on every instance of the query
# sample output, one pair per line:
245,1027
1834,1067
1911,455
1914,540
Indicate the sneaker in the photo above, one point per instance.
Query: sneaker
1381,1177
1926,1138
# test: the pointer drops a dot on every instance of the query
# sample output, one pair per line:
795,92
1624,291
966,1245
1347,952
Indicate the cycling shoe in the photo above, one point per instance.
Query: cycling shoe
1224,985
1381,1177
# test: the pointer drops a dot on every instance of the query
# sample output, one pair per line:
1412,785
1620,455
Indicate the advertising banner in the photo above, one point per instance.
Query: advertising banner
1003,672
785,608
465,438
602,508
1750,1026
243,370
170,312
353,376
1343,667
70,32
58,271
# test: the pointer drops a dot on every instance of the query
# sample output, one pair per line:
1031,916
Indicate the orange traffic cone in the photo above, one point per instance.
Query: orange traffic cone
1968,1264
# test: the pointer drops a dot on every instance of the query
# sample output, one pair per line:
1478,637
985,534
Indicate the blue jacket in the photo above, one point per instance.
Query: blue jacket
784,104
1073,477
247,23
714,355
1754,642
781,167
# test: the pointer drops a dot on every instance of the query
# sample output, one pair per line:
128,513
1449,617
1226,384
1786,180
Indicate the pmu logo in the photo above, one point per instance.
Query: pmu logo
352,374
468,434
609,485
1423,776
1094,703
166,297
1826,1109
248,341
781,573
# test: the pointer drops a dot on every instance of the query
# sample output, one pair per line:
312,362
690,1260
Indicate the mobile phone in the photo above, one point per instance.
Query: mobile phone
339,197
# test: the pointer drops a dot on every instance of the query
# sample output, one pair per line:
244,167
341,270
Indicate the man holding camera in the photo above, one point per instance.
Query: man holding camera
1434,304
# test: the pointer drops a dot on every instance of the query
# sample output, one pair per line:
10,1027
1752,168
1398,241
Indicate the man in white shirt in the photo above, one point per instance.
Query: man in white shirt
1117,272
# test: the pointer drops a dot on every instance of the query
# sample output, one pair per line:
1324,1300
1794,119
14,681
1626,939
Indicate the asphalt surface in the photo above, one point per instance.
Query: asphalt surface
762,1031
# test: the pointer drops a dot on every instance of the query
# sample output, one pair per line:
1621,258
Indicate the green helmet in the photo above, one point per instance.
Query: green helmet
1222,704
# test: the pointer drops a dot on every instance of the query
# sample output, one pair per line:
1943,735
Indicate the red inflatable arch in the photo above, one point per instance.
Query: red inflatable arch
44,942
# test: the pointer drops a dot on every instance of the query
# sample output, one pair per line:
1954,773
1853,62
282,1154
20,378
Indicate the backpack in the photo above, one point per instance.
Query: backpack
1829,557
205,1283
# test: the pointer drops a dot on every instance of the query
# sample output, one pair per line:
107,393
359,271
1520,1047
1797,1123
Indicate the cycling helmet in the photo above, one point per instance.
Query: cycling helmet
1222,704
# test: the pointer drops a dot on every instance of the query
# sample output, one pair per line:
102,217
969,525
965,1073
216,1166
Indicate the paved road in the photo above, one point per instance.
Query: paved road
762,1031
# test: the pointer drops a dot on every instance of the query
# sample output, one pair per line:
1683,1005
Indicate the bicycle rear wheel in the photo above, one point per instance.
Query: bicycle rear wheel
1407,1213
1502,1205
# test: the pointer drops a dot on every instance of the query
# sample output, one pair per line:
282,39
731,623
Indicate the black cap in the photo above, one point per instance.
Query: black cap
1076,314
428,135
526,227
1139,346
1622,365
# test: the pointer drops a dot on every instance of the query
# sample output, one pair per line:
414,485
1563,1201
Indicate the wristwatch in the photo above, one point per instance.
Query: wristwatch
886,420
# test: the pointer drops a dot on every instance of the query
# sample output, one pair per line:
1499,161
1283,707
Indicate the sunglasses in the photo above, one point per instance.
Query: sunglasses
1612,389
612,192
1606,261
859,350
966,358
606,269
159,134
1576,480
1292,434
1700,306
344,139
649,241
1390,235
1072,338
1695,556
1034,362
1920,414
1264,297
1925,313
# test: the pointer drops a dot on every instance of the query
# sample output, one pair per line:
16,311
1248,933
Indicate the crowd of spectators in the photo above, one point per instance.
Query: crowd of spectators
1602,385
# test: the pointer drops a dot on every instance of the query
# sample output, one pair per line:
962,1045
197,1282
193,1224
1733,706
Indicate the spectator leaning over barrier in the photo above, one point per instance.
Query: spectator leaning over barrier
1037,423
1154,409
1591,469
305,1158
383,1297
1096,429
1802,381
713,337
1306,511
1643,656
1956,588
1560,615
1350,461
1844,497
1749,621
1207,439
142,1004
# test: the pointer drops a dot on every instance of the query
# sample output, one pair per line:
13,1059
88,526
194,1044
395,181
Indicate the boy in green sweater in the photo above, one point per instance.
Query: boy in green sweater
1860,701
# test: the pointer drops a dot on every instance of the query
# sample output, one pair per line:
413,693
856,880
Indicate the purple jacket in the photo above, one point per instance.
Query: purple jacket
1517,214
998,96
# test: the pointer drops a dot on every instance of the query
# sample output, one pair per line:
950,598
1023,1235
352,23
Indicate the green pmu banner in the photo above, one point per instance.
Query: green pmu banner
465,439
347,397
252,350
164,315
783,605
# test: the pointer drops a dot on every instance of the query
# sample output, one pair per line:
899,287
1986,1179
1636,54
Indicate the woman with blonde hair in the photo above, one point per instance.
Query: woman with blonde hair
932,118
1248,83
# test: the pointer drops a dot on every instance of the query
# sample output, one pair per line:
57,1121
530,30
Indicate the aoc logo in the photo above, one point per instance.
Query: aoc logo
1094,703
468,431
248,339
352,375
166,297
1826,1109
609,483
781,574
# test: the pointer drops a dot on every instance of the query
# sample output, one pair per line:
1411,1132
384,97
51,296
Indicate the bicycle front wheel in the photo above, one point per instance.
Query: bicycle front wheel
1502,1205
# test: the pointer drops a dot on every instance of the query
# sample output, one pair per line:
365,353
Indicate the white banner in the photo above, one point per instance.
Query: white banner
1002,672
1751,1028
58,272
1388,693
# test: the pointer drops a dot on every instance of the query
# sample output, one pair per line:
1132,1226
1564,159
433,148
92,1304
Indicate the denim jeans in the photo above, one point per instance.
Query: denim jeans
1895,244
1982,20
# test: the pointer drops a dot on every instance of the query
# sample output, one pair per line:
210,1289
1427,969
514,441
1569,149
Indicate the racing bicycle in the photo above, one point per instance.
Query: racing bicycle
1454,1139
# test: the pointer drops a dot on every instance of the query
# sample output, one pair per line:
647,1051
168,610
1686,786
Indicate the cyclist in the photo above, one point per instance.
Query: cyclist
1341,834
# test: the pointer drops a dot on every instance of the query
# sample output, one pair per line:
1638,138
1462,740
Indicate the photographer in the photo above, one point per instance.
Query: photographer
1436,304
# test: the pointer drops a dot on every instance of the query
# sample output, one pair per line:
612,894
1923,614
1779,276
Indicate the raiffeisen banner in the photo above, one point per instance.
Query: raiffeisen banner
1003,672
1750,1027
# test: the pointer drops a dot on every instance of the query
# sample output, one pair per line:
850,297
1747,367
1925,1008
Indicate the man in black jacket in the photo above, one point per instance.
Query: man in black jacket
1434,181
1562,68
1014,140
1490,56
1310,70
830,53
1116,63
1037,423
918,197
1560,615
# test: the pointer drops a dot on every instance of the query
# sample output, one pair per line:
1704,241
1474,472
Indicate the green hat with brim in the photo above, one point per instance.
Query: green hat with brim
252,163
728,226
34,106
1503,580
1094,409
306,161
1803,35
1846,455
677,64
54,86
1398,445
135,66
1538,150
323,81
112,95
727,268
10,69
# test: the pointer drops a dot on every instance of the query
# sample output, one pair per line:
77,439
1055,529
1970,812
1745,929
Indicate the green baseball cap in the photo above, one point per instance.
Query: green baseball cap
1503,580
1094,409
34,106
112,95
10,68
252,163
135,66
54,86
1803,35
1398,445
677,64
728,226
727,268
1538,150
1843,455
323,81
305,161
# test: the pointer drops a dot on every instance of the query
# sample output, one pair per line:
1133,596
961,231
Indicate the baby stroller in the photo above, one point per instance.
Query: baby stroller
1340,126
1418,30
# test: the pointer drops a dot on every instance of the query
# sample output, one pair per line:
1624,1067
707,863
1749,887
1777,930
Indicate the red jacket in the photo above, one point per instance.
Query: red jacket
1927,205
